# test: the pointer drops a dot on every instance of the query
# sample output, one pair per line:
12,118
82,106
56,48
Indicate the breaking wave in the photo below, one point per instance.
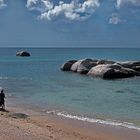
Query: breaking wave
93,120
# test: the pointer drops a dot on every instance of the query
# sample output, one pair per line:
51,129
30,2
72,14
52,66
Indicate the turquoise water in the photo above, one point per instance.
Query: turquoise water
38,81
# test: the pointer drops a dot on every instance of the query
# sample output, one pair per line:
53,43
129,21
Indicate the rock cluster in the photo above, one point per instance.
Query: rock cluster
106,69
23,53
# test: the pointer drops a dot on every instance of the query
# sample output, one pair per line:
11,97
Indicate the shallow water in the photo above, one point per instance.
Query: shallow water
38,81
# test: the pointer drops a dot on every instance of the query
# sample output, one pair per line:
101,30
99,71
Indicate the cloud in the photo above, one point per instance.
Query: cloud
2,3
114,19
132,2
39,5
71,11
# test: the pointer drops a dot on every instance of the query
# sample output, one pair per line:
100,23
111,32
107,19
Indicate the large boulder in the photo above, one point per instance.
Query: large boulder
135,65
136,68
67,66
112,71
83,66
23,53
74,67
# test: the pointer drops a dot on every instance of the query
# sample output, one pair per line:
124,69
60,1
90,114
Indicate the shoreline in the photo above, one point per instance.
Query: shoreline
53,127
66,113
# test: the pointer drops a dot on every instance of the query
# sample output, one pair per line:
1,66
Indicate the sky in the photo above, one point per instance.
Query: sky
70,23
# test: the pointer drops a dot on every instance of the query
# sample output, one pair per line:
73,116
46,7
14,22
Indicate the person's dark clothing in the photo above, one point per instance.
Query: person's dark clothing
2,96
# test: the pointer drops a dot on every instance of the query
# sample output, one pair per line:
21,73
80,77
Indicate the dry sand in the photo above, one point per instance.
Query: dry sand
18,124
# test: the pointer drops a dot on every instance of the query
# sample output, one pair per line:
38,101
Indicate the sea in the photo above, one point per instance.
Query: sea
37,82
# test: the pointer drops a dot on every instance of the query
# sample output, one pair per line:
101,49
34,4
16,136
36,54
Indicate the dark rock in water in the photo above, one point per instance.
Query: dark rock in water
106,69
112,71
23,53
136,68
83,66
18,115
67,66
135,65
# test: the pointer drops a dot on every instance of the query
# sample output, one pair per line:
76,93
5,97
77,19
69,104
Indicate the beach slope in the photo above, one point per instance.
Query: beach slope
15,125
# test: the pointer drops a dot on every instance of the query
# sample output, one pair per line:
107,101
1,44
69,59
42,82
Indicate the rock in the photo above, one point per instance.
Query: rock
112,71
18,115
135,65
74,67
136,68
102,61
23,53
106,69
83,66
67,66
100,70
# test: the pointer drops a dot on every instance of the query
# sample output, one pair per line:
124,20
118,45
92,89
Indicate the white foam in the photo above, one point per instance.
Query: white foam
3,78
92,120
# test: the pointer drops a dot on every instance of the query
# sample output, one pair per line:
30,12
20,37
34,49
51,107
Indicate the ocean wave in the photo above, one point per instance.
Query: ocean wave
93,120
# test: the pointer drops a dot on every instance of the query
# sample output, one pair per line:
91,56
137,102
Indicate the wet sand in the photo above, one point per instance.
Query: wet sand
20,124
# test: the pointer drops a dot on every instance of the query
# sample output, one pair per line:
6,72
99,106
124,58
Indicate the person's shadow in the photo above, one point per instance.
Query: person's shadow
3,110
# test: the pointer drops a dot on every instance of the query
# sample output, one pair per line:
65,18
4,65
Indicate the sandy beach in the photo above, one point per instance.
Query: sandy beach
19,124
70,70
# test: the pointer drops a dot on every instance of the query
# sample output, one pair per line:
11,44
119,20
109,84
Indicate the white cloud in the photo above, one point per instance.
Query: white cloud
132,2
72,11
39,5
2,3
114,19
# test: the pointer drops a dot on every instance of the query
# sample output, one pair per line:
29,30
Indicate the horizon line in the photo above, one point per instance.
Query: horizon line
70,47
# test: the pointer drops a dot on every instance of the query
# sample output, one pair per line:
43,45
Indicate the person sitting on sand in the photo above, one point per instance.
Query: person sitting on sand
2,101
